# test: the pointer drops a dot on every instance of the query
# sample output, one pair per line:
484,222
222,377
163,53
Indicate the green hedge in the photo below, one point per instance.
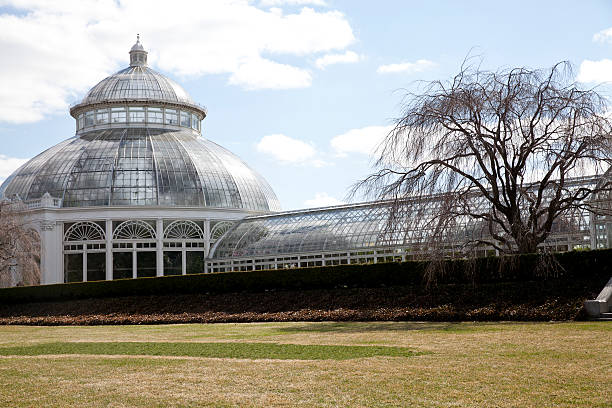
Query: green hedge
573,265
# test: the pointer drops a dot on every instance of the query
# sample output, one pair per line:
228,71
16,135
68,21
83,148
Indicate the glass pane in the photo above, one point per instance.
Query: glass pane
73,268
185,119
122,265
195,261
137,115
89,118
101,116
155,115
171,117
96,266
118,115
194,122
173,262
147,264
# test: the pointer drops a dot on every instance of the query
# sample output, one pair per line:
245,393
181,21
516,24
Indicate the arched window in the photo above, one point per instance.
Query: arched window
84,252
184,248
134,249
134,229
185,230
84,231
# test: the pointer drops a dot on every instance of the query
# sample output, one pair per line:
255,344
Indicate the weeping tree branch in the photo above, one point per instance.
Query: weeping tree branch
19,247
493,154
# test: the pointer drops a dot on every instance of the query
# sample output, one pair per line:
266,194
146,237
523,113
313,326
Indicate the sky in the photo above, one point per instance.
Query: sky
302,90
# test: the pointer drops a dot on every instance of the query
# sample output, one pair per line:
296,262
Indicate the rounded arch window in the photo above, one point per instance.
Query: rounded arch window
184,230
134,230
84,231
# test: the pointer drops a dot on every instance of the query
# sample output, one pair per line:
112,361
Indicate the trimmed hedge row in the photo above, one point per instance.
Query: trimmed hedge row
582,265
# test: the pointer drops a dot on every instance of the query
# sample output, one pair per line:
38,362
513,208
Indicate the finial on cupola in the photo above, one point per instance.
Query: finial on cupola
138,55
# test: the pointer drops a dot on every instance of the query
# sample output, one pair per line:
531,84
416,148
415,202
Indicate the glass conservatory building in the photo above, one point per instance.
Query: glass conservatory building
138,191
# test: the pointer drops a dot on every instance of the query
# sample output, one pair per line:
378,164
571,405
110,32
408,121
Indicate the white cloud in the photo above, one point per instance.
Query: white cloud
269,3
321,200
289,151
330,59
363,140
595,71
406,67
8,165
603,35
261,73
58,50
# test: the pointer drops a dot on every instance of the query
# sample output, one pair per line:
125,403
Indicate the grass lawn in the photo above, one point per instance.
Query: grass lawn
325,364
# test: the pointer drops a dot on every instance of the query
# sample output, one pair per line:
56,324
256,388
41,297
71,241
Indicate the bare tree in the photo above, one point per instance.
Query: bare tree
493,159
19,247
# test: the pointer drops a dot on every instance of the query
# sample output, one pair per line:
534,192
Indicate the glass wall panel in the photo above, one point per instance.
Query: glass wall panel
146,264
73,268
118,115
134,180
89,118
96,266
195,261
137,114
185,119
155,115
171,117
311,231
101,116
178,182
194,122
81,121
173,263
122,265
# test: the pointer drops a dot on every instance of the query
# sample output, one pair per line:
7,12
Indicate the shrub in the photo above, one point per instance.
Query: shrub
585,265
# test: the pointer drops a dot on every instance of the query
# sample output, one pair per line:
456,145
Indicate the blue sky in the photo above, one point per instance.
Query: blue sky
300,89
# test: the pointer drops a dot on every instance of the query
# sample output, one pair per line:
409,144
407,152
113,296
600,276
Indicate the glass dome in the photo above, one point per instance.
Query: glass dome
137,83
142,166
146,153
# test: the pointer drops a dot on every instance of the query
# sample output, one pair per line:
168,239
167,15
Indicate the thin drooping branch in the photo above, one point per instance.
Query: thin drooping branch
19,247
492,159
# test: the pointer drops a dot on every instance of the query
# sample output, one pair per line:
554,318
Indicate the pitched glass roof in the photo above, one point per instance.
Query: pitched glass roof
328,229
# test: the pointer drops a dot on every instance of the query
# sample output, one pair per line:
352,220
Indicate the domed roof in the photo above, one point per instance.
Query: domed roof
142,167
137,83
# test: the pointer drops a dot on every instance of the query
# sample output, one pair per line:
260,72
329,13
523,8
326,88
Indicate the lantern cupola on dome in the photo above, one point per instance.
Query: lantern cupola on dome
138,55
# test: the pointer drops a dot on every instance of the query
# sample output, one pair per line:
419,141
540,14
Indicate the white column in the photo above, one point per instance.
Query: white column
84,262
159,233
51,248
206,238
184,259
59,255
134,261
109,250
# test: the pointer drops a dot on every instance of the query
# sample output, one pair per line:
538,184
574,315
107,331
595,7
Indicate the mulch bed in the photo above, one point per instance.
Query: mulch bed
536,301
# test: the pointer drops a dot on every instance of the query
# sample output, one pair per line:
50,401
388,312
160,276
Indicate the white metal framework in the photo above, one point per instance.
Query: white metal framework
219,229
